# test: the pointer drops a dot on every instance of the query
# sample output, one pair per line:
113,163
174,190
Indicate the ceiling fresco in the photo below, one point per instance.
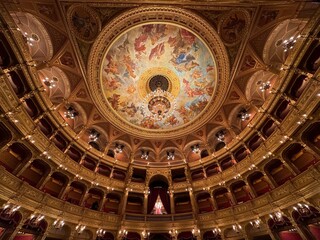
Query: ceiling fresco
176,55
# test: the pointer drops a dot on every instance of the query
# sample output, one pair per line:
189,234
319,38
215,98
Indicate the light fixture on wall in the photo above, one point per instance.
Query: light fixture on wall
289,43
36,218
93,135
123,233
195,231
277,216
118,148
58,223
170,155
243,115
220,135
145,234
100,232
303,209
264,86
195,148
50,82
9,209
80,228
256,223
237,228
144,154
216,231
70,112
173,233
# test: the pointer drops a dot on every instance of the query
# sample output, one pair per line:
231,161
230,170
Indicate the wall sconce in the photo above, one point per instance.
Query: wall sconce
145,234
50,83
170,155
94,135
256,223
237,228
173,233
123,233
216,231
221,135
101,232
195,148
71,112
58,223
119,148
144,154
35,219
9,209
196,232
243,115
80,228
289,43
264,86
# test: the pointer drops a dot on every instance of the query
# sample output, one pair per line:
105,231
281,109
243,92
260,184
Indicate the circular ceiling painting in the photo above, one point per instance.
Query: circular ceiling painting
158,76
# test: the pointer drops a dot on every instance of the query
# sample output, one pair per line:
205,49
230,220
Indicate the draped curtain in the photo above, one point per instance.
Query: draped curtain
152,198
165,199
164,196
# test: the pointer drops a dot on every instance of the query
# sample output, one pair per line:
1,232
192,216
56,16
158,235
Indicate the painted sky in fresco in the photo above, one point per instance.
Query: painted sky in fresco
155,46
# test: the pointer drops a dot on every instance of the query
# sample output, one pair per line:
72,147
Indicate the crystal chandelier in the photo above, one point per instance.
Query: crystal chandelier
159,104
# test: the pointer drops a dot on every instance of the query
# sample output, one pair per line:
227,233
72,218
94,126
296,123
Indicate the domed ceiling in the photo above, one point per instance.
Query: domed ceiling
158,79
158,76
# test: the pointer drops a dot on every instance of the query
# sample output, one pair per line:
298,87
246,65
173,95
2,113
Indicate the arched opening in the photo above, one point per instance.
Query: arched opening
204,202
55,184
259,184
12,157
158,198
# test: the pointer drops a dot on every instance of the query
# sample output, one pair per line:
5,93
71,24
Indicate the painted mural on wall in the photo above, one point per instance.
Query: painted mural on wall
158,49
